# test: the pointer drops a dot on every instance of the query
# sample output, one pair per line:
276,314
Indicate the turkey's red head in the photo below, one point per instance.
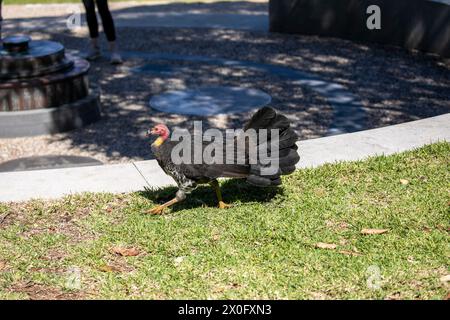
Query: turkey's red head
160,130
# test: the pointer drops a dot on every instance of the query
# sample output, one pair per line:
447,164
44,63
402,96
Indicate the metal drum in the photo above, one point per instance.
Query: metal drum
39,76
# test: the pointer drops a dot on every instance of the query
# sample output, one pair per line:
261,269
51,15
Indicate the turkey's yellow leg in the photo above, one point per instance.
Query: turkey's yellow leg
222,205
160,209
181,195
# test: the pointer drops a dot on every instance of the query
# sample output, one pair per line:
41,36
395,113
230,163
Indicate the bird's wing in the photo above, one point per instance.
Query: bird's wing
205,170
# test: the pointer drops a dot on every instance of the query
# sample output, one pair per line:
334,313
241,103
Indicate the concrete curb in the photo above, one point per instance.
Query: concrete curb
50,184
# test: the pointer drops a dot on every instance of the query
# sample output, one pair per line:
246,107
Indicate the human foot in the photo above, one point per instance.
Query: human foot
116,58
93,54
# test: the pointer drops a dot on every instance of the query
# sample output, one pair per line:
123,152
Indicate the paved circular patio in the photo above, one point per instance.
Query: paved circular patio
208,101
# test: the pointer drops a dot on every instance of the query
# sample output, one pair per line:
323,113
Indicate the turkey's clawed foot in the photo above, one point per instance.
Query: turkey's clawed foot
156,210
223,205
160,209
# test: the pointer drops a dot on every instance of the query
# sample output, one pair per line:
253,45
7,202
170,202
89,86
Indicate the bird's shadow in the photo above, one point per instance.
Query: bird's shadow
233,190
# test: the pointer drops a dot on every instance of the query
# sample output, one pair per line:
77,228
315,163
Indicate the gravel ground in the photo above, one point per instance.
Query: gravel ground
394,85
11,11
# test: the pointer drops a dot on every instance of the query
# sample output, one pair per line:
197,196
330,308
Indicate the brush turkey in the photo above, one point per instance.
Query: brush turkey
189,175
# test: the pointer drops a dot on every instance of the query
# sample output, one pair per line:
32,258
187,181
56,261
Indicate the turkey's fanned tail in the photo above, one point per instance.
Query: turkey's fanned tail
237,165
268,118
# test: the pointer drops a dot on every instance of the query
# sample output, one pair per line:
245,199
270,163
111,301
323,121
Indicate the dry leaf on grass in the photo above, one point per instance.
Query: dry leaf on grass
3,217
323,245
374,231
426,229
108,268
393,296
108,208
350,253
125,252
445,279
339,225
443,228
404,181
222,288
318,296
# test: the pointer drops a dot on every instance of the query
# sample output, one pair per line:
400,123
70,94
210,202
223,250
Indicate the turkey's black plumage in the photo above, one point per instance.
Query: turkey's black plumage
188,176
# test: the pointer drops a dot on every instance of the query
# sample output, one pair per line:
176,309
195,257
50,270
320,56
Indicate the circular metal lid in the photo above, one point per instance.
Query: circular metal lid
16,43
47,162
21,57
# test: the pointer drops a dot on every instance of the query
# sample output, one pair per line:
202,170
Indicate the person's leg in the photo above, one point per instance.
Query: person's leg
92,22
109,29
107,20
1,20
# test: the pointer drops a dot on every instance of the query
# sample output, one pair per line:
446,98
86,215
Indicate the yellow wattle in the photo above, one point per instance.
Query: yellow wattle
158,142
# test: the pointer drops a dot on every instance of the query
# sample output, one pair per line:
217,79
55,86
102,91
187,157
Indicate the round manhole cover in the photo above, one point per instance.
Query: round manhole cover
47,162
210,100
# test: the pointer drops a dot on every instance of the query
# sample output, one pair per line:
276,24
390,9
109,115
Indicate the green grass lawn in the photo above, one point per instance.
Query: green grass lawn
266,246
